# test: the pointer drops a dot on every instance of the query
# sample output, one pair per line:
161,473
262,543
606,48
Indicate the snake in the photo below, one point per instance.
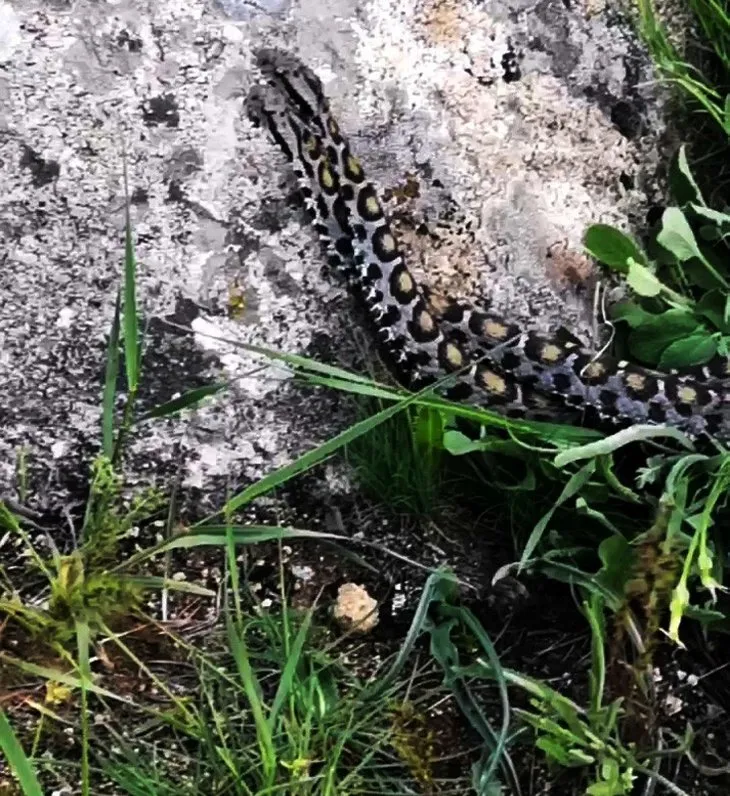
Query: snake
470,353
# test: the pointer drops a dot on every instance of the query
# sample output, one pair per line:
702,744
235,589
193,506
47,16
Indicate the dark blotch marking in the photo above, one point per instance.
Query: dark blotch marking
459,392
343,246
391,316
347,192
385,254
367,193
704,396
419,334
574,400
355,176
477,321
310,152
400,295
304,108
374,272
342,215
444,360
453,313
334,187
334,130
657,413
510,360
562,382
324,211
534,348
360,231
718,367
608,399
649,390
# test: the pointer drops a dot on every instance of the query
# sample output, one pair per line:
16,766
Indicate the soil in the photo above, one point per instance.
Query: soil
534,623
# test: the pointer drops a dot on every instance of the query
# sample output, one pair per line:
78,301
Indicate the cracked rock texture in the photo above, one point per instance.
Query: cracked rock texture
533,119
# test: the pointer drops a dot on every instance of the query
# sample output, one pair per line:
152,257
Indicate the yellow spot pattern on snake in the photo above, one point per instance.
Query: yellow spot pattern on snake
405,282
687,395
494,329
594,370
636,381
372,205
387,243
551,353
425,322
493,382
454,356
353,165
327,177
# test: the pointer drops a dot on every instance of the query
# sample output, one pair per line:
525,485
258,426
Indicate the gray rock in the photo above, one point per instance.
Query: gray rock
534,118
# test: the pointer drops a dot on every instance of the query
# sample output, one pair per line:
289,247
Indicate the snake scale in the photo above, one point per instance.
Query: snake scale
493,362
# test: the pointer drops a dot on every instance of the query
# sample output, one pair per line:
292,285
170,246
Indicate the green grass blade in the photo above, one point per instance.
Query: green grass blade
131,322
314,457
575,484
83,643
17,760
185,401
110,382
289,672
608,445
253,693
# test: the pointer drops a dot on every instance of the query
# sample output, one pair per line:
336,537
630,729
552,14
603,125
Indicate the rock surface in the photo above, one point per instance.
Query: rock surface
531,117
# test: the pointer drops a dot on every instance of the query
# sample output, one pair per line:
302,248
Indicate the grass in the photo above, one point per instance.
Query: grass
691,52
276,700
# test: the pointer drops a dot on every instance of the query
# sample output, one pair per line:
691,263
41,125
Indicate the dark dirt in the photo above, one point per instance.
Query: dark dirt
538,631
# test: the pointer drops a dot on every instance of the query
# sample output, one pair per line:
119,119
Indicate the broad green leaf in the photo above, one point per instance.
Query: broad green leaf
458,444
713,305
612,247
633,314
726,114
718,219
648,341
641,280
617,556
677,237
710,233
697,349
682,184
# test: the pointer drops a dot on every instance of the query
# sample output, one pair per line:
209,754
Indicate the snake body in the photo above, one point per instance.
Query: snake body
493,362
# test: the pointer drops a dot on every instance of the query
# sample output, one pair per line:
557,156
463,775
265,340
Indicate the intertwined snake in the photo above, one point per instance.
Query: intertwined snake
494,362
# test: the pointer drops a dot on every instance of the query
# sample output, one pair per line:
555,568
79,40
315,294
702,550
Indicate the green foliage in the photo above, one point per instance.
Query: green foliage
275,713
679,314
703,83
586,739
400,463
